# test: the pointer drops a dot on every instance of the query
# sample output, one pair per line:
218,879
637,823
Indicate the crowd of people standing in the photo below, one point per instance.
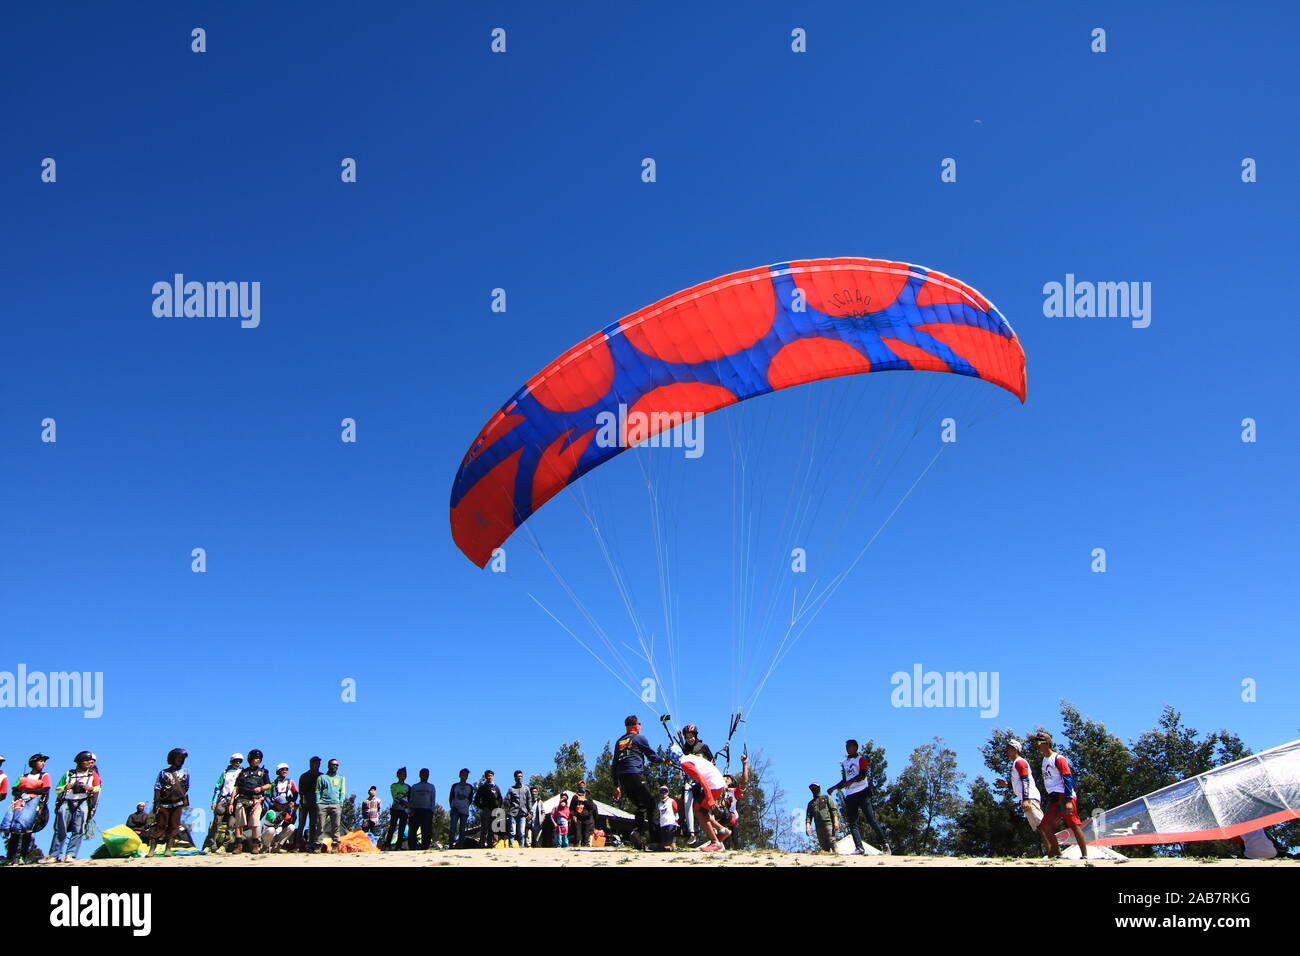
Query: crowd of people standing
255,810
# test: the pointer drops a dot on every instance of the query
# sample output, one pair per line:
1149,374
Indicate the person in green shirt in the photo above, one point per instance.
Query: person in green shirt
398,812
821,812
331,788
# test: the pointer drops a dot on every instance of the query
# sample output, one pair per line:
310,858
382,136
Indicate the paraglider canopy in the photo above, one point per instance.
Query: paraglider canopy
710,346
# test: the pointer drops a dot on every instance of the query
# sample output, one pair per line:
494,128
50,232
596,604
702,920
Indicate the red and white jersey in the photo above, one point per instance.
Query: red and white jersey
1022,781
703,772
668,812
850,768
1055,767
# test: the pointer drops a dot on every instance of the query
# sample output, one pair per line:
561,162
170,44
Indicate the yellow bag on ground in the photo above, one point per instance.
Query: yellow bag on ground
357,842
120,841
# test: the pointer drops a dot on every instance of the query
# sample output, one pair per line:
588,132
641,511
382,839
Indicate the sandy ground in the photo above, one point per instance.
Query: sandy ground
622,857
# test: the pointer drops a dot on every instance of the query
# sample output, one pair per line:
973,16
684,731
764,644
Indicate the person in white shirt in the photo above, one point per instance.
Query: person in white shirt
667,814
1025,791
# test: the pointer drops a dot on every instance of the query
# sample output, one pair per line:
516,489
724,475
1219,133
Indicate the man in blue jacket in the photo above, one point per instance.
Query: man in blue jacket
631,753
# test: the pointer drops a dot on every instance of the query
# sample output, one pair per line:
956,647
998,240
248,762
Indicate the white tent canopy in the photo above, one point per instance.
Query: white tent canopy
602,809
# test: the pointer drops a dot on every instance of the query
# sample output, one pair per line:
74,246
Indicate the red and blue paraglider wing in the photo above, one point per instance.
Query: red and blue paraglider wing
718,343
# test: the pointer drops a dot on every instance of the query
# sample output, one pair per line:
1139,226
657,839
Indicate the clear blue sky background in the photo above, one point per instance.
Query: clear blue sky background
330,561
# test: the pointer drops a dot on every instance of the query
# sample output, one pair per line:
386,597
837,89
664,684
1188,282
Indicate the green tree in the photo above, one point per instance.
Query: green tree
1102,763
763,824
602,776
441,828
351,817
988,826
569,771
923,803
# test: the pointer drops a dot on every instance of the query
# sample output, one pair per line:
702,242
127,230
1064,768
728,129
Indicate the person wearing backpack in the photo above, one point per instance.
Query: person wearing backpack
77,796
222,793
171,795
31,791
251,785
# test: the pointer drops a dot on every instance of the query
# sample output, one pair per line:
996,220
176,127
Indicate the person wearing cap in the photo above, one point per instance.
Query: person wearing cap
582,816
460,797
692,746
308,835
76,796
631,753
30,791
277,830
251,786
398,812
139,821
1062,803
223,821
283,800
1025,790
667,811
821,814
856,784
171,795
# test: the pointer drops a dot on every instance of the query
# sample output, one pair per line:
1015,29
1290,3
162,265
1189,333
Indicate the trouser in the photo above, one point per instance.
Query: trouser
561,840
688,806
457,821
515,829
581,830
220,819
855,803
397,823
309,825
635,789
421,824
491,827
166,824
248,820
666,836
825,835
21,819
331,823
273,838
69,822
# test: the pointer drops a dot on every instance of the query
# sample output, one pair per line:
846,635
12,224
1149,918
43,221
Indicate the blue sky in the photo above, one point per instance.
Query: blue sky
329,561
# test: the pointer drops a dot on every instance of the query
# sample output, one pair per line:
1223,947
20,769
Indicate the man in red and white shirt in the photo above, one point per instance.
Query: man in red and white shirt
1062,805
1025,791
857,786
